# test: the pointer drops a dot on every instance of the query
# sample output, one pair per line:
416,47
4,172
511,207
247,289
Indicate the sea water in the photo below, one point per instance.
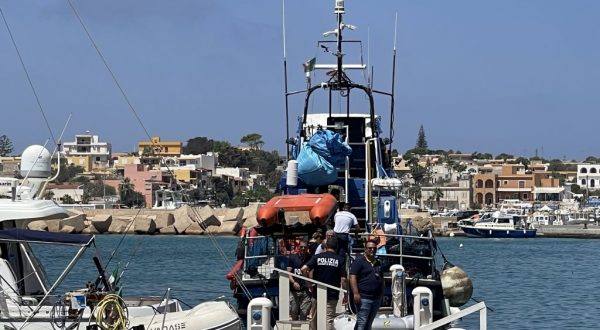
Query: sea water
541,283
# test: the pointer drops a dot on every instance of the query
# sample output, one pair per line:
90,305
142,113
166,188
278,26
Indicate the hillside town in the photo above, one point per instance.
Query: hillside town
161,175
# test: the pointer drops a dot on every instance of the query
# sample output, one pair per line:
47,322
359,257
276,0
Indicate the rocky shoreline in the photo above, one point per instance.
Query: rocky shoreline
185,220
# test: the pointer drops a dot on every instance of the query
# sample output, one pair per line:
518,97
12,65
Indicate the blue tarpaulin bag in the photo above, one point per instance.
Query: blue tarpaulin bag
313,169
330,146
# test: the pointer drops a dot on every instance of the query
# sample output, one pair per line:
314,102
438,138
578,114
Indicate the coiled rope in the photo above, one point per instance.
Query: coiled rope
111,313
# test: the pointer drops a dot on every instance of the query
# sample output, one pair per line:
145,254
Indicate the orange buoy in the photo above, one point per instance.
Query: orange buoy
319,207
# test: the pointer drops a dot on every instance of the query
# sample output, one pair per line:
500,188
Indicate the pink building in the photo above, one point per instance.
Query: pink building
144,180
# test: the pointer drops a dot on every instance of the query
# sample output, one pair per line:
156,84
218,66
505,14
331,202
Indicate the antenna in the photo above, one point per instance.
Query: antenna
393,91
285,84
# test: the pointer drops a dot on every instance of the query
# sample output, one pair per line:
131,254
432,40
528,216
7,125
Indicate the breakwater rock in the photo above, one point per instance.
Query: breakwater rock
185,220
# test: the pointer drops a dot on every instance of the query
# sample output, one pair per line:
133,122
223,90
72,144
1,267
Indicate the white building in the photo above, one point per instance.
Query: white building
88,148
456,196
194,162
235,176
588,176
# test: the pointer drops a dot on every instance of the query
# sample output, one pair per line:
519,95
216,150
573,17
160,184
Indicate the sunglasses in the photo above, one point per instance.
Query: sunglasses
371,248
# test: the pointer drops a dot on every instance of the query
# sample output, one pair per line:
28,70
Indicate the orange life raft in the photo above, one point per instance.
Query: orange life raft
319,206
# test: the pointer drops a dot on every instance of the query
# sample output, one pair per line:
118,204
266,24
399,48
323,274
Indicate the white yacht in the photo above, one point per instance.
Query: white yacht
28,300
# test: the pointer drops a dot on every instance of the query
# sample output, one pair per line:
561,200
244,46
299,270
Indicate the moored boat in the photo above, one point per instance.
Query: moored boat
499,225
30,300
342,158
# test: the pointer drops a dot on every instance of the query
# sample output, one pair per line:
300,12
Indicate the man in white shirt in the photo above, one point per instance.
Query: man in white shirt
344,221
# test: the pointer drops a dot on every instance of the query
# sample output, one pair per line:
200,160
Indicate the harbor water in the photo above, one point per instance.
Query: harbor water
543,283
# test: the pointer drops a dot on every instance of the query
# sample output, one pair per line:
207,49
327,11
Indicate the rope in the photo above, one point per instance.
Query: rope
131,107
37,98
111,313
58,315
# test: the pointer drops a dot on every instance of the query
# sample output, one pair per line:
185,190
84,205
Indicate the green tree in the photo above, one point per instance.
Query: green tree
437,195
459,167
253,140
6,146
67,199
198,146
589,159
524,161
85,198
504,156
414,192
126,192
421,147
68,173
48,194
419,173
99,189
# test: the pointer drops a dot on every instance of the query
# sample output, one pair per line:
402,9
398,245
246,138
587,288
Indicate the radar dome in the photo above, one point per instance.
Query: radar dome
35,162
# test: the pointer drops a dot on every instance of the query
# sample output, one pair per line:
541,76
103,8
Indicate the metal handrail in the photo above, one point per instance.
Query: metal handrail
284,291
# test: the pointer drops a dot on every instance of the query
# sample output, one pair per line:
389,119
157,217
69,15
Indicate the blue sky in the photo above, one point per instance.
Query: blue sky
489,76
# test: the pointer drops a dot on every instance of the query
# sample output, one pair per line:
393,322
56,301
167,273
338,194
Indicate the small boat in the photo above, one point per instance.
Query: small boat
30,301
319,207
499,225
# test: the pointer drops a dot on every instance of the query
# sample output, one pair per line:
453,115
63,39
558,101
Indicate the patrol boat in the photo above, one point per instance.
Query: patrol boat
341,156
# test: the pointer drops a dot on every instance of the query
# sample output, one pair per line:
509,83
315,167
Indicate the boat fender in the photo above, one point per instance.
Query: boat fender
456,285
291,179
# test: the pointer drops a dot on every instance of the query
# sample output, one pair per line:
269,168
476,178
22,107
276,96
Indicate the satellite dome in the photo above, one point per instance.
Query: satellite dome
35,162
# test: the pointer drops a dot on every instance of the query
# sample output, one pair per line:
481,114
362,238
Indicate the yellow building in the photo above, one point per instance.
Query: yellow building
160,148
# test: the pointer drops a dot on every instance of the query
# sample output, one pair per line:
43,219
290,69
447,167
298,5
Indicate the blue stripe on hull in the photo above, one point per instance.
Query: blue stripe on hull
499,233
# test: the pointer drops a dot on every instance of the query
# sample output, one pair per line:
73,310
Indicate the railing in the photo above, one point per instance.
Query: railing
422,312
284,297
401,253
479,307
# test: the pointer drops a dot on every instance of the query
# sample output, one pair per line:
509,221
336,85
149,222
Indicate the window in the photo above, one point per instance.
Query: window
593,170
525,197
583,182
583,170
521,184
505,182
592,183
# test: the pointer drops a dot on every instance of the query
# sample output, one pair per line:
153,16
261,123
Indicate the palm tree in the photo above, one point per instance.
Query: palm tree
126,191
437,195
415,192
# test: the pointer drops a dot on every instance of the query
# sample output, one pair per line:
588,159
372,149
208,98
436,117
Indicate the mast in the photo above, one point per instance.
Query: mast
339,12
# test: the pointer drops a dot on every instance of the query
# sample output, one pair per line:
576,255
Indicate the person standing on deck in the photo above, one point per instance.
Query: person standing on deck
300,297
328,267
315,241
367,283
344,221
323,246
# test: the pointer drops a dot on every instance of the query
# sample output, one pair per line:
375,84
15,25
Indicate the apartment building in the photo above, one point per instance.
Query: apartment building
588,176
88,152
158,148
513,181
